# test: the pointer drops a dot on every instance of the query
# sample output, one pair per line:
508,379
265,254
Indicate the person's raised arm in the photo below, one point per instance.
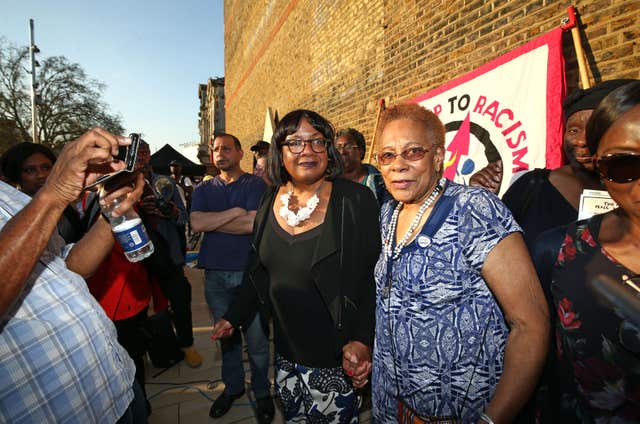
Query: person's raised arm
89,252
512,278
26,235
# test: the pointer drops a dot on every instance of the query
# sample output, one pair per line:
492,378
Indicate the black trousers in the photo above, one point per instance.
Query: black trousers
174,285
136,413
132,335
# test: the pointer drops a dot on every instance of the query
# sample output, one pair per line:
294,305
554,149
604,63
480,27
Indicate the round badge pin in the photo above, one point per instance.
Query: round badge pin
424,241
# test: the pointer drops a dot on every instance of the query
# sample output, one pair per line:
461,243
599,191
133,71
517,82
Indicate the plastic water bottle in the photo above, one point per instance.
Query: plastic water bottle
129,231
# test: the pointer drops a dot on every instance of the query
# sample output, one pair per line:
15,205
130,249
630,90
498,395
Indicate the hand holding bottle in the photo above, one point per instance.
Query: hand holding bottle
127,227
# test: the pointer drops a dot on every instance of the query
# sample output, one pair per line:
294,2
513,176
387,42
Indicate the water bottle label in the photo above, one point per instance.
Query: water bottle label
132,238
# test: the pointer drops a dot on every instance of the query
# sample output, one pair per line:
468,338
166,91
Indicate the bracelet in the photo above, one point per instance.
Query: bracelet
484,417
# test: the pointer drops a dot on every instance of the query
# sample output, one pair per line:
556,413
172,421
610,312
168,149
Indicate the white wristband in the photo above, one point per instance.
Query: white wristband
484,417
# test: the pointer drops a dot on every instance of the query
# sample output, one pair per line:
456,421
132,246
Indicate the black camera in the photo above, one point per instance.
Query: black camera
127,154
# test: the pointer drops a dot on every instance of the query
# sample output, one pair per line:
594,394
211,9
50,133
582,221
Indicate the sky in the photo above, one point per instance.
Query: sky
150,54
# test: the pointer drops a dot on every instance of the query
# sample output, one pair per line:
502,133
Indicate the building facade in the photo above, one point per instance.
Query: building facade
340,57
211,117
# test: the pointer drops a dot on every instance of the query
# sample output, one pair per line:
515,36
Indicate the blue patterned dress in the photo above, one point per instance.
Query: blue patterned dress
440,333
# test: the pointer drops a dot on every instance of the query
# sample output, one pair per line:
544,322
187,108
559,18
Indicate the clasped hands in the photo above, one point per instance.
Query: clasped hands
356,356
356,363
221,329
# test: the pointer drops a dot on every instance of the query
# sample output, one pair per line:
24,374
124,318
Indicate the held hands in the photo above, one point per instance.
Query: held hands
221,329
356,363
81,162
489,177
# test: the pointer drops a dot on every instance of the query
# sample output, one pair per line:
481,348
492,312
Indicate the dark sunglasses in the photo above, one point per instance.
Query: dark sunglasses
619,167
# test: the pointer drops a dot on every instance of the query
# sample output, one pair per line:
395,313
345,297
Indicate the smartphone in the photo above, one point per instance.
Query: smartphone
127,154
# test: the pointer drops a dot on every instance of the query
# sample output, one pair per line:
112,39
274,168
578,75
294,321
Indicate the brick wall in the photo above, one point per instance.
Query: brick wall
339,57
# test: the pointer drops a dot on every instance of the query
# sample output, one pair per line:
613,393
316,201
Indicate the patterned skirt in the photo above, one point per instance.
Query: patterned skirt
315,395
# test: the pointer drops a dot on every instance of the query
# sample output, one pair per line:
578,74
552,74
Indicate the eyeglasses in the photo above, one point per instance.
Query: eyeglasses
619,167
296,145
346,147
411,154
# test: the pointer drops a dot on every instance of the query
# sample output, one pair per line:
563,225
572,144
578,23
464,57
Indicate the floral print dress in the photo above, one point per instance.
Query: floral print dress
597,373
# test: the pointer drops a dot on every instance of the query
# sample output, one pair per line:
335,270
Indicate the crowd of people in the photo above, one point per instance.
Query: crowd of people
443,302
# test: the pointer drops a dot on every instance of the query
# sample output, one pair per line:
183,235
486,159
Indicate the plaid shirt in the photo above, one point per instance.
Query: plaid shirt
60,360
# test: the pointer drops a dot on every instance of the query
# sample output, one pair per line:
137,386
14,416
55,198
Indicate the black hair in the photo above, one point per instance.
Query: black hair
356,136
236,142
586,99
12,160
289,124
612,107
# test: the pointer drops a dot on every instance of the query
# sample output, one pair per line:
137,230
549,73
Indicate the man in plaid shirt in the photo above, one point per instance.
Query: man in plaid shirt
60,360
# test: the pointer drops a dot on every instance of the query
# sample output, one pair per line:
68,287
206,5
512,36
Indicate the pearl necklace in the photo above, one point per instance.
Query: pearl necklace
292,218
388,242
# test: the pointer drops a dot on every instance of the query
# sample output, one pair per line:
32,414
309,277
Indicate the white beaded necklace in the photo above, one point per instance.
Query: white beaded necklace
295,218
388,242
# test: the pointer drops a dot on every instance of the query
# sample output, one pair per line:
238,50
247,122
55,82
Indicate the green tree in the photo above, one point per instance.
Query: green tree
69,101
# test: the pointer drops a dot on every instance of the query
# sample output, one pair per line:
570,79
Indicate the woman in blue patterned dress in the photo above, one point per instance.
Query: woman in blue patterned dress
461,321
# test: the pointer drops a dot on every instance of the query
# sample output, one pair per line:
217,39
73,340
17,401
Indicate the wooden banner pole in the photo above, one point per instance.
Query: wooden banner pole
572,24
381,108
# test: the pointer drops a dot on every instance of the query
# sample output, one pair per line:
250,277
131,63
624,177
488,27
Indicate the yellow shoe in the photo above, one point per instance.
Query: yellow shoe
192,357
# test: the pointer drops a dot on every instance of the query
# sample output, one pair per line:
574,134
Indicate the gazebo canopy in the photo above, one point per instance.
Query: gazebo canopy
161,159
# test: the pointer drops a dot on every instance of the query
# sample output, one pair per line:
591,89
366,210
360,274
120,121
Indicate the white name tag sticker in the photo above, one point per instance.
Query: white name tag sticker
595,202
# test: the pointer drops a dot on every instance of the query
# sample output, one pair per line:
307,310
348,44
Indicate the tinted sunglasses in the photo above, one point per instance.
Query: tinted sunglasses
411,154
619,167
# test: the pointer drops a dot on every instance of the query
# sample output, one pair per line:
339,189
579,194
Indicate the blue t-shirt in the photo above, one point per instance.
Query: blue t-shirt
222,251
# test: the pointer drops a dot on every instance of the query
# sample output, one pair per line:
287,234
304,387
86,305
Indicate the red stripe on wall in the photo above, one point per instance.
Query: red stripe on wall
232,10
263,49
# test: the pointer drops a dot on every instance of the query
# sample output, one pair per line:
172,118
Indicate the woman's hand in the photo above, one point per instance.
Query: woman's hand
221,329
356,363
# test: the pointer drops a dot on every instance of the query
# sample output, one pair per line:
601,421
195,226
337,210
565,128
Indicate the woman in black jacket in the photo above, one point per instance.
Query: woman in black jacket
316,241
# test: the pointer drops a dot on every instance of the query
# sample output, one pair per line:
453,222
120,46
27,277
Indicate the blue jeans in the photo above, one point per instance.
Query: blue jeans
220,289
